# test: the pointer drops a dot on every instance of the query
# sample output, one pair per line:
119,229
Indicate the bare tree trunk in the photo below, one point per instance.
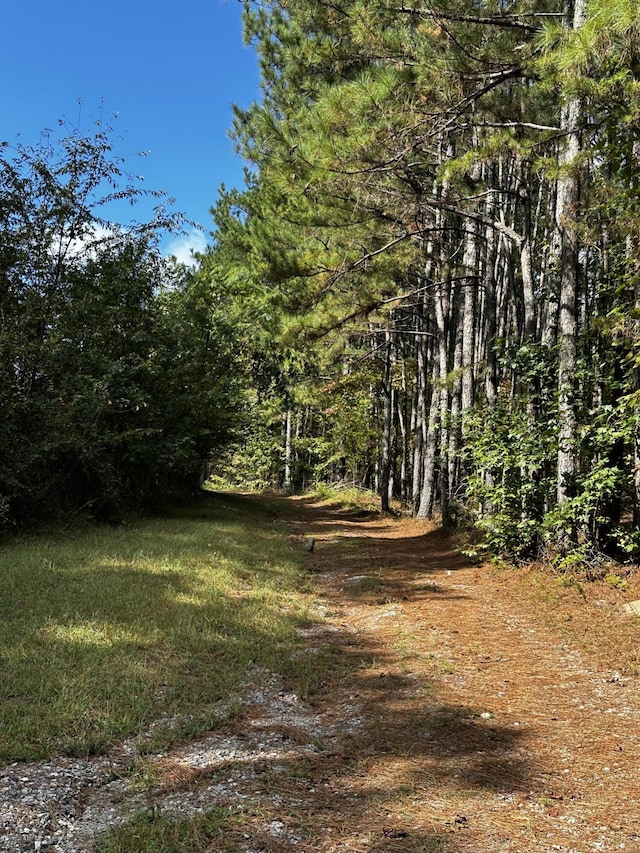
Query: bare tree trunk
288,450
490,319
566,211
442,307
418,425
403,416
455,411
424,347
526,260
470,261
428,494
387,418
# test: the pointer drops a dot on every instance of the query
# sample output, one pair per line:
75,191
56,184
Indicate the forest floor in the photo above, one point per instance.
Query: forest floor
466,709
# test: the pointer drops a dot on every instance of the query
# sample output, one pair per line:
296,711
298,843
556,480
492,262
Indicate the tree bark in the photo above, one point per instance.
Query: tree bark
387,418
467,391
428,493
566,211
288,450
490,319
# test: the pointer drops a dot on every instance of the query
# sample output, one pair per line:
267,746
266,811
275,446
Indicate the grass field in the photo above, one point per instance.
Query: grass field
104,630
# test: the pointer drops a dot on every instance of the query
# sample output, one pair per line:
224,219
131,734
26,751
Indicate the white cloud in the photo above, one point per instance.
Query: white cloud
82,247
183,247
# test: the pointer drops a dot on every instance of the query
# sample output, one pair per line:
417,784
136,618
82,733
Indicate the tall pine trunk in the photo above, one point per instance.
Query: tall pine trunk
288,450
387,422
428,493
568,191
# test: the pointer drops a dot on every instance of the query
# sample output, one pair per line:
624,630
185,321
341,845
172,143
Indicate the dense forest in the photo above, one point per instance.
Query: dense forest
439,242
430,285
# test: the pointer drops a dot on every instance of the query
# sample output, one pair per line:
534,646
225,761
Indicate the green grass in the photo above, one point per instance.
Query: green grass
152,833
347,497
103,630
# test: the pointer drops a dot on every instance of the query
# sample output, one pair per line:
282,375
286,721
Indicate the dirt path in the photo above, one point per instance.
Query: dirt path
474,728
452,721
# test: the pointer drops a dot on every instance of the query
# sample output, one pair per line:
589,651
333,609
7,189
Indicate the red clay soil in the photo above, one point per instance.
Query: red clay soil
468,722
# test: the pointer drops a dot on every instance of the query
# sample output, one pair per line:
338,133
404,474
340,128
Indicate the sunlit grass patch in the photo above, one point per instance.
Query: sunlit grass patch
348,497
103,631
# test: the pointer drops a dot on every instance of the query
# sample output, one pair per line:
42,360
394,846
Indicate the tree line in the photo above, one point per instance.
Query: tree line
436,260
116,365
429,286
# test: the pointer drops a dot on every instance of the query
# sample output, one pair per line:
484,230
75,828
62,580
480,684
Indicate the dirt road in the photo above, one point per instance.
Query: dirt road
469,726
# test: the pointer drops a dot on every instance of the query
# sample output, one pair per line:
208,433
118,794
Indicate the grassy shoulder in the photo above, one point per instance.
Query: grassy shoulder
105,630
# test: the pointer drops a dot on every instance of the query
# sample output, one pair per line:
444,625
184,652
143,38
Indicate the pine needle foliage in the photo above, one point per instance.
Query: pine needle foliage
450,190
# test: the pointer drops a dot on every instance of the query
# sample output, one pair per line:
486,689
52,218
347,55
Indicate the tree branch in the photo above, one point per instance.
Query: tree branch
504,21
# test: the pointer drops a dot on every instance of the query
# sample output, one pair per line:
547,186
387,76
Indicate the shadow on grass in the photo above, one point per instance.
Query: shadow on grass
179,645
311,516
110,629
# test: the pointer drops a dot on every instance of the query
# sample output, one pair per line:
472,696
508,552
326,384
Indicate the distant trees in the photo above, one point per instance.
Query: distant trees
115,366
442,219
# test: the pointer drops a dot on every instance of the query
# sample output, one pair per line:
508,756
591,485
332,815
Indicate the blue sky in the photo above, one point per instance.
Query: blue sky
171,72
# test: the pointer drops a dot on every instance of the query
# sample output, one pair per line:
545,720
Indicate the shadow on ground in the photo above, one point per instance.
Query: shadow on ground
403,743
